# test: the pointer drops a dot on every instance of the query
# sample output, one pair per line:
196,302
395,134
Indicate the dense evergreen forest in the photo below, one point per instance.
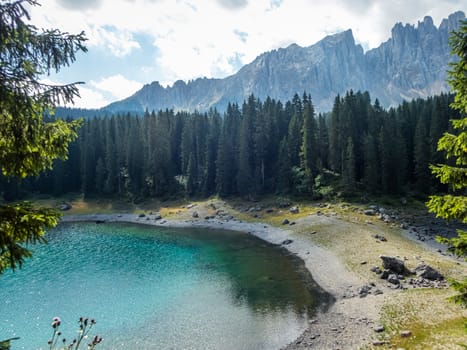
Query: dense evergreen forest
261,147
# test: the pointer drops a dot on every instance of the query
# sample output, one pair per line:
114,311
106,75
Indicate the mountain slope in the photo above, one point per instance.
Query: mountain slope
411,64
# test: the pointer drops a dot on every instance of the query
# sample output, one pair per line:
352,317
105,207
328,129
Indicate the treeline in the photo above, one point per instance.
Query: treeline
253,149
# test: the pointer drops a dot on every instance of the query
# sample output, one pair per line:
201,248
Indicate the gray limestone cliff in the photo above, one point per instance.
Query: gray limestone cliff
411,64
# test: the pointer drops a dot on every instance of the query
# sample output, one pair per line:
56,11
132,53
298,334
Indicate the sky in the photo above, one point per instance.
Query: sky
135,42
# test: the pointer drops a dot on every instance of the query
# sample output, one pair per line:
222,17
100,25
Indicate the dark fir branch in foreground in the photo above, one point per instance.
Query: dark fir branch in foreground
28,143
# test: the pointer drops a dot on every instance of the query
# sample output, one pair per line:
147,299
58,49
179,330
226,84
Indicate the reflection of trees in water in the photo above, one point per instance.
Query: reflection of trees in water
264,276
268,278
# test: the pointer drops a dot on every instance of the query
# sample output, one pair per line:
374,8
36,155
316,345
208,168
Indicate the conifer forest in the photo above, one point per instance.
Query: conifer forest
257,148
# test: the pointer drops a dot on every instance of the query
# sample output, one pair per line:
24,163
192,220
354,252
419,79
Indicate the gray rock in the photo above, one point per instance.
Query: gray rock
294,210
364,290
378,342
378,329
157,216
369,212
285,222
376,270
195,214
429,273
394,265
64,206
405,333
380,237
287,241
392,278
384,275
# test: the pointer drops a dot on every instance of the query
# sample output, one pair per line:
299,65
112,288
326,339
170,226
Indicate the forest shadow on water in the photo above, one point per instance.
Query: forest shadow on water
267,276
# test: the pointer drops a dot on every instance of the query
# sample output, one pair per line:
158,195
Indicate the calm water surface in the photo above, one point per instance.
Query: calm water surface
152,288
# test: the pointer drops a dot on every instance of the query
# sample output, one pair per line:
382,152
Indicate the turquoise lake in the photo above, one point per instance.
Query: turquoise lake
153,288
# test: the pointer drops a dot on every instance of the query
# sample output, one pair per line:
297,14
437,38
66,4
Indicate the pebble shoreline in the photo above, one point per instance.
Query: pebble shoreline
346,324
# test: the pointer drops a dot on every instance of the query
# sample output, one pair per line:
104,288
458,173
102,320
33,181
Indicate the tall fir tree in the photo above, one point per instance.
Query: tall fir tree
453,206
309,148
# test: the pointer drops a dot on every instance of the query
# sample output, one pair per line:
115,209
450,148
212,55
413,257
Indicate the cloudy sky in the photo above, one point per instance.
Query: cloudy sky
135,42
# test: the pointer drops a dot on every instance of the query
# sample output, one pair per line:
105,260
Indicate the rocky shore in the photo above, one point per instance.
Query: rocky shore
352,320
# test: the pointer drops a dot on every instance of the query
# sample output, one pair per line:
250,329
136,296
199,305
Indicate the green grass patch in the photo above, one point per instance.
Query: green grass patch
434,322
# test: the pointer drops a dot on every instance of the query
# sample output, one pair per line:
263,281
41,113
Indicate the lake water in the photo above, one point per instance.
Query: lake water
152,288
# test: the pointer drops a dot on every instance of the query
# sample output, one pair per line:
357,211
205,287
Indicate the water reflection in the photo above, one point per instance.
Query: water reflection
154,288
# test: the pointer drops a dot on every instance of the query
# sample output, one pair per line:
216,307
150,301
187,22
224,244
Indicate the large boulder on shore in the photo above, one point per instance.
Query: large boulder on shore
428,273
394,265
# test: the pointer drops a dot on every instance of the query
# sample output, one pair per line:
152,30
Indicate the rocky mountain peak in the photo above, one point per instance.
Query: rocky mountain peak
452,22
411,64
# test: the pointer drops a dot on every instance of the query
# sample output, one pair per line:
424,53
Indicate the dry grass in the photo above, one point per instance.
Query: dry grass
434,322
344,229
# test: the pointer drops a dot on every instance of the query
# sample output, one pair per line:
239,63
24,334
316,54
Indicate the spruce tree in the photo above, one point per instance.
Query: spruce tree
309,148
453,206
371,173
335,139
422,157
284,177
245,183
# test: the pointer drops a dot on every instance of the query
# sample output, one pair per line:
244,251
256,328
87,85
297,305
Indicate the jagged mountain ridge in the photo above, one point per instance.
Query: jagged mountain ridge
411,64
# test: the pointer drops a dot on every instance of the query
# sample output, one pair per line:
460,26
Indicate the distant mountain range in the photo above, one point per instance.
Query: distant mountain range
411,64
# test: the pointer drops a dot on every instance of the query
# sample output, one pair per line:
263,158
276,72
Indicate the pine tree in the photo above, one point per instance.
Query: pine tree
372,169
422,157
212,140
309,148
323,143
227,152
245,183
100,175
349,170
454,205
335,139
284,177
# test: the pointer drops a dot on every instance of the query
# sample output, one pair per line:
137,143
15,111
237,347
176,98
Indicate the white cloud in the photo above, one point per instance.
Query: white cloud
117,85
90,98
119,42
212,38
